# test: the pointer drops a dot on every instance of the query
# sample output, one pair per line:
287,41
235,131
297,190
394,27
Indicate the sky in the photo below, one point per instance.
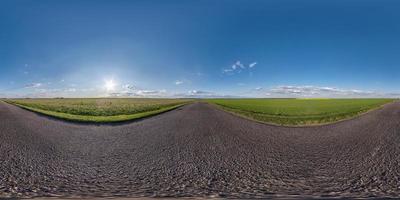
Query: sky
202,48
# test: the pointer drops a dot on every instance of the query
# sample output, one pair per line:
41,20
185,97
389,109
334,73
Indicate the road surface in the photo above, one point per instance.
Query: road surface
199,151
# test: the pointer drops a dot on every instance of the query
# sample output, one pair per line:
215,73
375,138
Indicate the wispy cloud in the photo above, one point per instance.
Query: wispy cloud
57,92
130,90
251,65
202,94
178,82
129,87
238,67
151,92
199,92
316,91
70,90
33,85
227,70
25,71
394,94
166,94
140,93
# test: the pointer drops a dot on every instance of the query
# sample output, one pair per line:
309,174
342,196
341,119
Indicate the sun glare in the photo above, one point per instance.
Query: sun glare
109,85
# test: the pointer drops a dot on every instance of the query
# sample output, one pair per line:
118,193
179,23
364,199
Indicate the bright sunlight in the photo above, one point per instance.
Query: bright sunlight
109,85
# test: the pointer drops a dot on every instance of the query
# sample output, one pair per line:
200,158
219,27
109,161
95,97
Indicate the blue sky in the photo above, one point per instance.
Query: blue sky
268,48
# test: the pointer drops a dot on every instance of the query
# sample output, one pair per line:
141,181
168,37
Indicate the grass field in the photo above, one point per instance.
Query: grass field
99,109
299,112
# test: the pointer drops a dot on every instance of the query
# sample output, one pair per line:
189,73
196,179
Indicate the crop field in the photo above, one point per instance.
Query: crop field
99,109
299,111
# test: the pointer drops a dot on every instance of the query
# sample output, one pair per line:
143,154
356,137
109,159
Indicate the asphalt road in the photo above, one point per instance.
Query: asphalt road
199,151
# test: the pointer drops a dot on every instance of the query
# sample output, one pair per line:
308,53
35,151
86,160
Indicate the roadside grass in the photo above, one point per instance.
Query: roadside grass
101,110
299,112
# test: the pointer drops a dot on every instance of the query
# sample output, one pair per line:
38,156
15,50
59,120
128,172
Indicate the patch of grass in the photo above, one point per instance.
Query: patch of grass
298,112
99,109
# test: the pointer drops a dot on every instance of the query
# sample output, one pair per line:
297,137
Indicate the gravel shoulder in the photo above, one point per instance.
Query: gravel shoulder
199,151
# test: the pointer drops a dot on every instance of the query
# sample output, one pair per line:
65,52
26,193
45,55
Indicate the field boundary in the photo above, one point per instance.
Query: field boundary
224,109
86,119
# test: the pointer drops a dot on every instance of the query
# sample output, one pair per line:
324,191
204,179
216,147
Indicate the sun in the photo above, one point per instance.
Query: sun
109,85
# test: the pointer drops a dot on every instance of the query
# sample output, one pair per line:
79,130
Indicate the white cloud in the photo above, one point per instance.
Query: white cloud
202,94
70,90
42,90
150,92
61,92
394,94
165,94
129,87
178,82
140,93
239,64
238,67
258,88
227,70
316,91
33,85
251,65
199,92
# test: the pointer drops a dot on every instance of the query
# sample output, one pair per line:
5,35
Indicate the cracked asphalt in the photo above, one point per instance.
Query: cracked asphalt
199,151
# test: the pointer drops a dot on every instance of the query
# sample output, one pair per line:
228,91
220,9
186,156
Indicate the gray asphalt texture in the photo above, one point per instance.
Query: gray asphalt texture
199,151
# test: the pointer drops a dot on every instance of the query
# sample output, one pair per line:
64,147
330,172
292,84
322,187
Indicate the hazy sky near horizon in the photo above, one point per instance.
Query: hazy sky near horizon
205,48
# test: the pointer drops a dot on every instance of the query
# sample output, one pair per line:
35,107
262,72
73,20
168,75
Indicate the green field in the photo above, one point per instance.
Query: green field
296,112
299,112
99,109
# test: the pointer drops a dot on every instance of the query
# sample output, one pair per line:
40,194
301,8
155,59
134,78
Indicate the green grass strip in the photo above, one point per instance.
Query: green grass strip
98,119
298,121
